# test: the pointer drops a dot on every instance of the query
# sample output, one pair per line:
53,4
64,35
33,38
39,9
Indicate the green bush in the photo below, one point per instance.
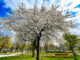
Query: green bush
64,56
59,55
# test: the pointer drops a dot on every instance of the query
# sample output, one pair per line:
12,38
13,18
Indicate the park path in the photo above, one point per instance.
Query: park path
13,54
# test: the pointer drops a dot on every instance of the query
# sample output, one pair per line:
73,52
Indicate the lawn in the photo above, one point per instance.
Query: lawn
29,57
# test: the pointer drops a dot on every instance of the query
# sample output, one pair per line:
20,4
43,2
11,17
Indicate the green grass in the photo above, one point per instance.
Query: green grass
29,57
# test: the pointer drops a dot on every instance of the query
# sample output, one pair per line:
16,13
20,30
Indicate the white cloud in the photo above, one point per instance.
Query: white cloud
79,12
39,3
76,10
65,4
69,4
14,4
75,31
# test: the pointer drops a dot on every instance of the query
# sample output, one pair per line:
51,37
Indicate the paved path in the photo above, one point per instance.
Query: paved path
14,54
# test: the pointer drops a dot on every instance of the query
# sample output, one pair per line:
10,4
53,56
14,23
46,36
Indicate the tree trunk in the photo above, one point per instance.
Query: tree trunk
0,49
74,54
38,48
79,49
38,42
33,48
59,50
11,50
63,50
46,49
22,51
33,53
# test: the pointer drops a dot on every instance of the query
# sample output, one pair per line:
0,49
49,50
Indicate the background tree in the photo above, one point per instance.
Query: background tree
78,44
28,46
52,47
46,46
1,44
71,42
79,47
5,43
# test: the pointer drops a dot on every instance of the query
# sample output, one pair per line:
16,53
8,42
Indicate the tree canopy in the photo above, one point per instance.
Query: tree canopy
36,24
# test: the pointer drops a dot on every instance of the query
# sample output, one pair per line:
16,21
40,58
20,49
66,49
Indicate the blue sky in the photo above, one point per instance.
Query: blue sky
72,5
3,10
